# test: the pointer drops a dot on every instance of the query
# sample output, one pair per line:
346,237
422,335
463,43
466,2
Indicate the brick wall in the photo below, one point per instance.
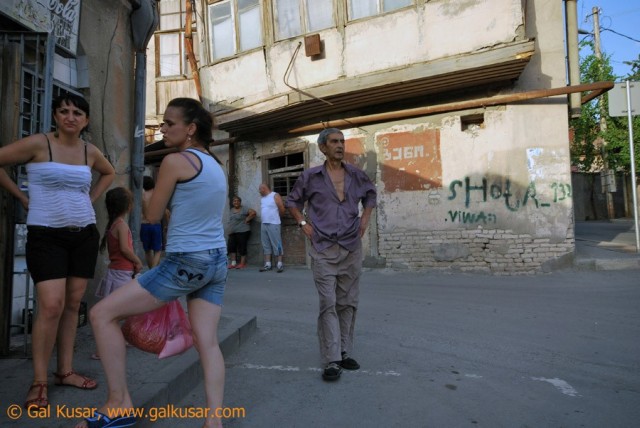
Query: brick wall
495,251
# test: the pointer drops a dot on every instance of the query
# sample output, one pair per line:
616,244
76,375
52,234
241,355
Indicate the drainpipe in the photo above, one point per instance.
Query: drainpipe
573,58
188,43
144,21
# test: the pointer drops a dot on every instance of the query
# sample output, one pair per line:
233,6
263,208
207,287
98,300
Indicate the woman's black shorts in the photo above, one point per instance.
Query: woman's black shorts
61,252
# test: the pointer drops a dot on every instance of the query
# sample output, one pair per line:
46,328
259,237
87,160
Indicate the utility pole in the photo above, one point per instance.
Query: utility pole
608,179
573,56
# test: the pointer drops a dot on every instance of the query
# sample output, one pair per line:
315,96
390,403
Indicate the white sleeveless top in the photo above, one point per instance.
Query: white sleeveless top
269,210
59,195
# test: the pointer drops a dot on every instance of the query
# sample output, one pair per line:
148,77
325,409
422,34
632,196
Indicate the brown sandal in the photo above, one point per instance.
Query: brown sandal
40,401
85,384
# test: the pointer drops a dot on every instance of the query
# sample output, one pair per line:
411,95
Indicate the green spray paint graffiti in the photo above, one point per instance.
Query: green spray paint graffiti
561,191
498,190
472,218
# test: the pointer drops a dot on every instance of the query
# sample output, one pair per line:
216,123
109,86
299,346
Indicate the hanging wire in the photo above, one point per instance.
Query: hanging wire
620,34
288,71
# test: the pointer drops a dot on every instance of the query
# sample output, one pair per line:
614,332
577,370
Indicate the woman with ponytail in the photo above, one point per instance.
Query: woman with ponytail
193,185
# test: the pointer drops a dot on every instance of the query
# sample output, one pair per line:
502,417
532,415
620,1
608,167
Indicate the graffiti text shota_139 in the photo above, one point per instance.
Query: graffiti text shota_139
561,191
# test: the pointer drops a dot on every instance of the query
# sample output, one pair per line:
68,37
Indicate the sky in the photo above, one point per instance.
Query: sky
621,16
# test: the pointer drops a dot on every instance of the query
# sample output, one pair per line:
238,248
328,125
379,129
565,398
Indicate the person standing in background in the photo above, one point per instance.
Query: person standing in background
150,233
333,192
239,232
271,209
62,238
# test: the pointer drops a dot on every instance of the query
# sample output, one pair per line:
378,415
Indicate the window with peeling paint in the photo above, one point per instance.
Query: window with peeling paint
283,171
363,8
235,26
296,17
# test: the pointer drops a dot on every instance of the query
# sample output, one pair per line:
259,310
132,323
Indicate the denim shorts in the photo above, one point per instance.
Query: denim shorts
200,274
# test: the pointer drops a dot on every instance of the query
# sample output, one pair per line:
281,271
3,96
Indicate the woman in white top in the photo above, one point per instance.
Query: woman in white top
62,239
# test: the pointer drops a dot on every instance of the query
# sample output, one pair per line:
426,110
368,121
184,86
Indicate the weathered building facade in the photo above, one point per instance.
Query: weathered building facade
469,176
47,48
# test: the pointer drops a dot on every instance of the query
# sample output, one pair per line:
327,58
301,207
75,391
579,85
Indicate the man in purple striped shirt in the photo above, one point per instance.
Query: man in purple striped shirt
333,192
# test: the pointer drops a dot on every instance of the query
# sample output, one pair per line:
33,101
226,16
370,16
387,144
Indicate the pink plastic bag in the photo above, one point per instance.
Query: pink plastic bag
165,331
178,338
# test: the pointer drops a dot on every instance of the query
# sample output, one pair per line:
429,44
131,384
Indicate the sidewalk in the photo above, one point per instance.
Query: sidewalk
606,245
154,382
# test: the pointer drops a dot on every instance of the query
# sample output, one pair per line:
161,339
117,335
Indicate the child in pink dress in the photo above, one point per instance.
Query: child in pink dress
124,263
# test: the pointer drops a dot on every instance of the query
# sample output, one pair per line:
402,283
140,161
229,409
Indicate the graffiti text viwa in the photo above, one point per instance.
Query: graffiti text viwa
467,217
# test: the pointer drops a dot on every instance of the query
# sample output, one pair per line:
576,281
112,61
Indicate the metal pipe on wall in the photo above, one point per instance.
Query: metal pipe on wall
188,43
573,57
144,21
597,88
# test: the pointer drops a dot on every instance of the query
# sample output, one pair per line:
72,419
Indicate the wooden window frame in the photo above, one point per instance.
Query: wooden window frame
288,172
237,48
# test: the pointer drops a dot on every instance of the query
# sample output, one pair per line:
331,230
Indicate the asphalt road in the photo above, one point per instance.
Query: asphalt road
556,350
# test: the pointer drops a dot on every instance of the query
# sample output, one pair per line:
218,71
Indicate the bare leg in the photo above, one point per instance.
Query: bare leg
152,257
66,335
130,299
149,258
51,296
204,317
156,257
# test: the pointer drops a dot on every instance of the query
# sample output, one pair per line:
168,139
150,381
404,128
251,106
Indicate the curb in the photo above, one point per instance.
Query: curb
608,264
176,380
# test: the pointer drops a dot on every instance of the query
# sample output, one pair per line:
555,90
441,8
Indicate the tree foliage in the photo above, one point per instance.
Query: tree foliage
635,69
590,139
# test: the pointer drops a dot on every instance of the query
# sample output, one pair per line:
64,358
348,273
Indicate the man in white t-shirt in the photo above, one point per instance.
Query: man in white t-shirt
271,208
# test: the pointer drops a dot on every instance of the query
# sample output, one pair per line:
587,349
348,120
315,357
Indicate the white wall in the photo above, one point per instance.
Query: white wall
435,30
525,222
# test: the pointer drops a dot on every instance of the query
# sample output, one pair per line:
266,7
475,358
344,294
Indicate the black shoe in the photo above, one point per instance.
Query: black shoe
280,269
332,371
265,268
348,363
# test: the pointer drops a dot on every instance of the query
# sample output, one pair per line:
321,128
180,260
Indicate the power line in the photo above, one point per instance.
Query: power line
620,34
588,34
586,18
